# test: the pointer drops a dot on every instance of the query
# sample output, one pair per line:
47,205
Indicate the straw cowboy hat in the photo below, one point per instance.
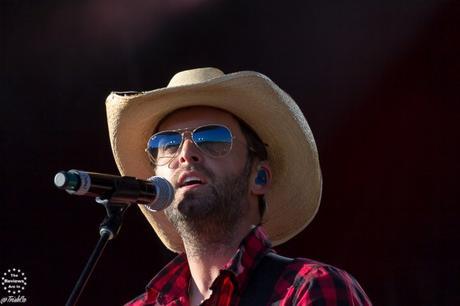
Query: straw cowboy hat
295,193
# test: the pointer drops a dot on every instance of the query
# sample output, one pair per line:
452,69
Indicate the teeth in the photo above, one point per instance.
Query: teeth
191,179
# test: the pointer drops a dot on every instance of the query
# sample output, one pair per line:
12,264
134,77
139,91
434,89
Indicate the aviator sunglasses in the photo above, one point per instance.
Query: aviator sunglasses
213,140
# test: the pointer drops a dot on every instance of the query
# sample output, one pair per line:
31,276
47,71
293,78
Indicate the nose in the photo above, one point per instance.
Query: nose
189,153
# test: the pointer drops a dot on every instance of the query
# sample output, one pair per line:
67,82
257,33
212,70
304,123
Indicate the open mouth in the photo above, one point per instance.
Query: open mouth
191,181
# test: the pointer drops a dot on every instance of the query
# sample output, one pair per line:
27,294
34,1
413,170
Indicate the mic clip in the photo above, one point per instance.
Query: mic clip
115,202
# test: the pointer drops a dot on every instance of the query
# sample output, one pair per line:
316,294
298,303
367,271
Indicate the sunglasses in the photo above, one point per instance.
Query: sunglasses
213,140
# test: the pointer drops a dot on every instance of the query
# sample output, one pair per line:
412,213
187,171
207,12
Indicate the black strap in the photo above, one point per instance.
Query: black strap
263,280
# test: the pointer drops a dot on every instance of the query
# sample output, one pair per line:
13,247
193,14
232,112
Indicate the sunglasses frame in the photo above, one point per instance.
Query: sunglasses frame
190,132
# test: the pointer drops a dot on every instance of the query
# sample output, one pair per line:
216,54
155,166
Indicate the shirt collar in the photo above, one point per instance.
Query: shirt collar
171,283
252,249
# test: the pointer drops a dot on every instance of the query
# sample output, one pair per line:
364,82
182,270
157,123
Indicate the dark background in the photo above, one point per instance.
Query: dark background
377,80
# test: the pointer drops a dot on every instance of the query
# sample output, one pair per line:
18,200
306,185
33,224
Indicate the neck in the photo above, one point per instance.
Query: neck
207,258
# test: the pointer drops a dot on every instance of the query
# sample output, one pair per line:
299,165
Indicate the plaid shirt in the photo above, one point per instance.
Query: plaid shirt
303,282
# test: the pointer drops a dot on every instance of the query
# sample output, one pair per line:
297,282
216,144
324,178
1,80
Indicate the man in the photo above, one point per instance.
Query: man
244,165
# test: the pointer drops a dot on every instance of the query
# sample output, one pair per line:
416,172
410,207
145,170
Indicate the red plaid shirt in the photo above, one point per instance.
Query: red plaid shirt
303,282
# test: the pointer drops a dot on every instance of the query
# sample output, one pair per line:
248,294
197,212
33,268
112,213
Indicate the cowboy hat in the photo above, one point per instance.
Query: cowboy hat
295,193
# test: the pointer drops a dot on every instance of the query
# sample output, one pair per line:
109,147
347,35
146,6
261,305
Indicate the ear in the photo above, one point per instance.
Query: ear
261,178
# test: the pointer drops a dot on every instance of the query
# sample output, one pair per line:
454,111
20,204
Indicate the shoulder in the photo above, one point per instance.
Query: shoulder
304,281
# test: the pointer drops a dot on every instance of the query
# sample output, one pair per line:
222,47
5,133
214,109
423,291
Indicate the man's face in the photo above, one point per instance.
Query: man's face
217,196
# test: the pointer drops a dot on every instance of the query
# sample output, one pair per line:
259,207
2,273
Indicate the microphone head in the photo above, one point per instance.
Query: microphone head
164,193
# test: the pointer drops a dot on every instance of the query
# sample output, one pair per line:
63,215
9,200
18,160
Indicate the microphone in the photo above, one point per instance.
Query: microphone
156,193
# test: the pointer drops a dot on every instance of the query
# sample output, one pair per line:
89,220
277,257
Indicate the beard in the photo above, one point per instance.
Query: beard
209,215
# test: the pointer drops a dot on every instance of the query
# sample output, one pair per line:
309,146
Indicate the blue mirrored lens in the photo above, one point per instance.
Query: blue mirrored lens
164,144
213,139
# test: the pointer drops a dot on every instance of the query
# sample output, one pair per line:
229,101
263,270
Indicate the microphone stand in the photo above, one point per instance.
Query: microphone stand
108,229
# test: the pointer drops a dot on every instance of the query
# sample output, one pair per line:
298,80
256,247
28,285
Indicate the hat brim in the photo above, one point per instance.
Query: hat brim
296,186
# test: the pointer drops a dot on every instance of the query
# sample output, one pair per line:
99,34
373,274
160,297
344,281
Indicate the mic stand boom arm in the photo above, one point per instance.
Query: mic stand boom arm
108,229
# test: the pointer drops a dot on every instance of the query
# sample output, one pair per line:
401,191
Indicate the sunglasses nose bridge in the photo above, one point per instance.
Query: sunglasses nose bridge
186,135
188,149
